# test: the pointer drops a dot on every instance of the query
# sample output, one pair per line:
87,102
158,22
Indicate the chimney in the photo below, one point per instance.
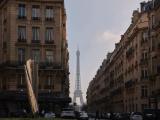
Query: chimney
143,6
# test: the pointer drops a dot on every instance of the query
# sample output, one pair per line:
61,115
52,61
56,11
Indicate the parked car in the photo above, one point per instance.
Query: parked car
151,114
49,115
68,113
83,116
136,116
123,116
91,115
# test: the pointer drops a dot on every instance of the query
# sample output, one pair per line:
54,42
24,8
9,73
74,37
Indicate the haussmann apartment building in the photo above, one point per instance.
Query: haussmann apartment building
129,78
33,29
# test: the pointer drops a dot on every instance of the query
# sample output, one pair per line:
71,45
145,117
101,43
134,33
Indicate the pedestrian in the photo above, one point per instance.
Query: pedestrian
97,115
111,116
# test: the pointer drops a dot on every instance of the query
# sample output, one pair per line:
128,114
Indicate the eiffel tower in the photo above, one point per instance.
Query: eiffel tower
78,92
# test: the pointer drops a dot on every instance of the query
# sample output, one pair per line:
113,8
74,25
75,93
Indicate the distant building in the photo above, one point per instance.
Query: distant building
128,79
37,30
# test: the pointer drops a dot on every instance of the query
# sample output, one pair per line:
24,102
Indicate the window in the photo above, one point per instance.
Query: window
145,36
49,56
36,55
144,91
49,35
49,13
36,34
21,11
21,33
144,73
49,82
21,81
153,20
35,12
144,55
21,55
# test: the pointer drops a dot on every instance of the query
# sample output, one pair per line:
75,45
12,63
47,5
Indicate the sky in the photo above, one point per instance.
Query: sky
94,26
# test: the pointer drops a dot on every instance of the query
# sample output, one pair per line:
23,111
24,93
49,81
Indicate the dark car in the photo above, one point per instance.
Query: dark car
151,114
122,116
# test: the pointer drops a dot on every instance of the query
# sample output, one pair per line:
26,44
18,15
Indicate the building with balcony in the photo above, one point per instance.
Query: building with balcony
131,72
33,30
154,72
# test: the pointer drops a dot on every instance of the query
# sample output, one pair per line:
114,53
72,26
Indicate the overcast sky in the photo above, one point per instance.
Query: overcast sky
95,26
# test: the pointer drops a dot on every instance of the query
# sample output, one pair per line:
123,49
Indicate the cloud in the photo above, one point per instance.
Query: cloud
108,36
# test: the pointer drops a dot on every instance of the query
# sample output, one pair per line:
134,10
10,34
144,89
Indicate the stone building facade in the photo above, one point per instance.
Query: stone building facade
33,30
131,71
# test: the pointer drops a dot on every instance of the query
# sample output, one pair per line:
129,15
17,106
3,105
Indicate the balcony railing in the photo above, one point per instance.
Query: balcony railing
42,65
42,96
35,41
20,40
35,18
49,65
49,19
49,41
13,63
21,17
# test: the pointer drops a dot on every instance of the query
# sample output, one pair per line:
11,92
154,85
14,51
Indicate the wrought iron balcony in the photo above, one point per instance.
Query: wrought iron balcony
49,41
42,65
35,18
42,96
49,65
35,41
49,19
13,64
20,40
22,17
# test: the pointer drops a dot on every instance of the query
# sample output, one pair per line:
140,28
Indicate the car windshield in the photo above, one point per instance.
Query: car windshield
67,109
137,113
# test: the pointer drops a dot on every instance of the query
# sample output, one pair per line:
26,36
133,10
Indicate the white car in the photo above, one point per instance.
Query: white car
136,116
83,116
50,115
68,113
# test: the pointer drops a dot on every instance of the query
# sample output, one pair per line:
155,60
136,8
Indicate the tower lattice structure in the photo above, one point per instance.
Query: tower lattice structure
78,92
